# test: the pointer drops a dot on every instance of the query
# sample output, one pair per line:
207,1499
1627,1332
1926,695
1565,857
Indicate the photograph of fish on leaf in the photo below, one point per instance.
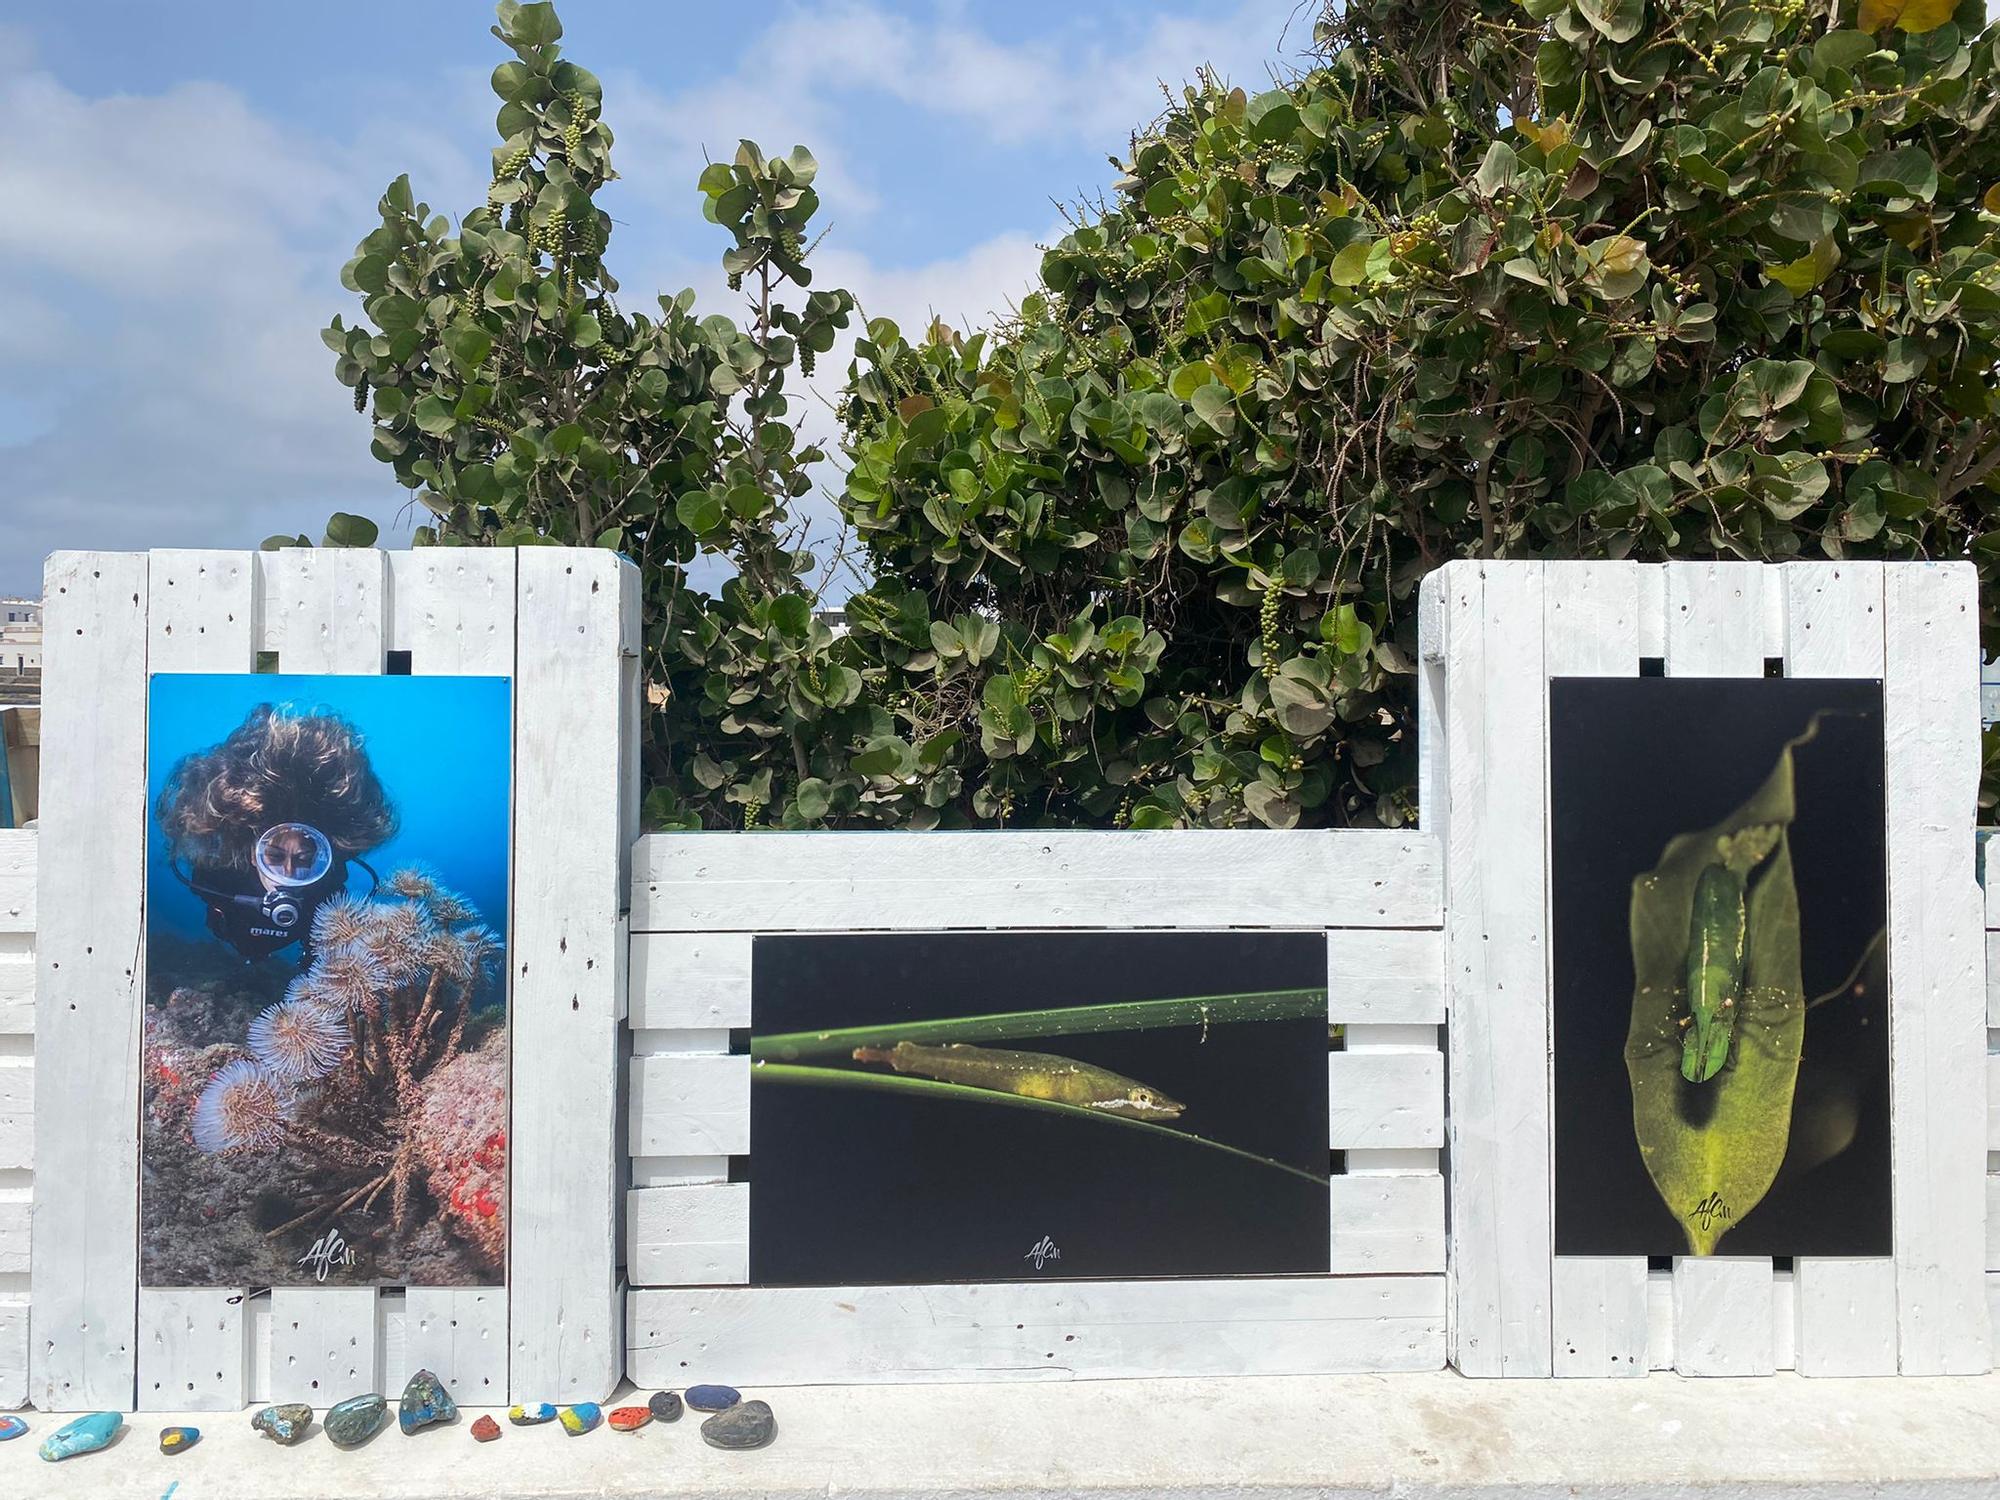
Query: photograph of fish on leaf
1089,1089
1754,1050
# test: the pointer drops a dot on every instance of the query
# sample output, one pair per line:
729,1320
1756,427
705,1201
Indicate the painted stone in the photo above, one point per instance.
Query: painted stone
285,1424
581,1418
712,1397
425,1401
11,1427
629,1418
485,1430
531,1416
84,1435
178,1439
352,1422
750,1425
665,1406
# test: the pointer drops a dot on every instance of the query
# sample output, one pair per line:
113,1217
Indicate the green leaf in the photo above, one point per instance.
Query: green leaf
344,529
699,511
1216,406
1614,20
1907,172
434,415
1809,270
1350,266
812,798
585,331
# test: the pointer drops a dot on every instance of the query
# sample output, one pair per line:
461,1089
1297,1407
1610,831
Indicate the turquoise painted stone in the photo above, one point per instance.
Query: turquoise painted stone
178,1439
581,1418
84,1435
750,1425
11,1427
285,1424
352,1422
712,1397
531,1416
425,1402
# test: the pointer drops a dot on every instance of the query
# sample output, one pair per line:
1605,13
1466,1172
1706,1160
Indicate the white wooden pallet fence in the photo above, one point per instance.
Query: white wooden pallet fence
1495,633
562,624
17,1104
698,903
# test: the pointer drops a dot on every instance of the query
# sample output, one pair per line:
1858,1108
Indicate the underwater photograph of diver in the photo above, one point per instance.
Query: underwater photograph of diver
324,1083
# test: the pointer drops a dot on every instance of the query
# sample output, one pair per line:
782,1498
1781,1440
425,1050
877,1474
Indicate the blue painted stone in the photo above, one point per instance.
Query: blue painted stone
581,1418
84,1435
425,1402
750,1425
284,1424
11,1427
178,1439
712,1397
352,1422
531,1416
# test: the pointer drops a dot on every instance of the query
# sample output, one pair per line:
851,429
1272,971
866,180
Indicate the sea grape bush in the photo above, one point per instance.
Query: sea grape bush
1570,278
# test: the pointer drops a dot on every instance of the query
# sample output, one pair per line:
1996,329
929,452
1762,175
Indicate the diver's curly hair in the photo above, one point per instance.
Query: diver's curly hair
280,765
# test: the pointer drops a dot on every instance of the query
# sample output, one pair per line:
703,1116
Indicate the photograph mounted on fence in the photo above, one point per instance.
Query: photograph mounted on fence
1721,1023
324,1080
940,1107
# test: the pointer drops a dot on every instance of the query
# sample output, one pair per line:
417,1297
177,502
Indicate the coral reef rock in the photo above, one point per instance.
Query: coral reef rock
352,1422
285,1424
485,1430
750,1425
712,1397
581,1418
178,1439
531,1416
86,1434
629,1418
665,1406
426,1402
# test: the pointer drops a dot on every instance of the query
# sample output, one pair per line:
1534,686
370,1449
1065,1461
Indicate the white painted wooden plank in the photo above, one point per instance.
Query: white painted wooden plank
194,1352
1385,1099
1659,1320
17,1114
460,1335
1496,963
575,703
688,1236
1715,619
1600,1315
1992,975
1038,1330
1386,1223
13,1352
202,617
689,980
1653,612
690,1105
678,1171
324,609
1993,1221
391,1337
323,1344
1722,1313
17,996
1385,974
17,880
1937,958
1833,618
1400,1036
1590,616
1846,1316
1993,1306
1785,1319
1993,1101
452,609
697,882
645,1043
15,1212
91,900
1405,1160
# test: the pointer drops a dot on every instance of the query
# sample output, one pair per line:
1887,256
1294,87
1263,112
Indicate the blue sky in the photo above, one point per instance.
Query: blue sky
181,184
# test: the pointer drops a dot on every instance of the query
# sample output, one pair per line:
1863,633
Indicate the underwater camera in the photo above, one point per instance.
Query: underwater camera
294,870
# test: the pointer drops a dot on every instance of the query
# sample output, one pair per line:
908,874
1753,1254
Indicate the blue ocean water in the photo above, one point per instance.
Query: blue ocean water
441,746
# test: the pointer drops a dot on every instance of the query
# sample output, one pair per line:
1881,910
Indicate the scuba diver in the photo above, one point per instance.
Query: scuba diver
267,823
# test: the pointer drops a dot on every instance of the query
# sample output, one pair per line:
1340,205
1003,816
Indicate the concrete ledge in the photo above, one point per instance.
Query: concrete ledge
1416,1437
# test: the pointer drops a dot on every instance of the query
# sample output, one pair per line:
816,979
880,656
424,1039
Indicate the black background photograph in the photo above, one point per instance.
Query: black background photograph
852,1186
1633,763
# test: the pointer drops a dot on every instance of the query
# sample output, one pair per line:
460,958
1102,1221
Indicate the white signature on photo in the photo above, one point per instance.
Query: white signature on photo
1044,1252
328,1251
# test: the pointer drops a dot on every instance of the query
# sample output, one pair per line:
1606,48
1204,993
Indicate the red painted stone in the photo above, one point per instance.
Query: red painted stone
630,1418
485,1430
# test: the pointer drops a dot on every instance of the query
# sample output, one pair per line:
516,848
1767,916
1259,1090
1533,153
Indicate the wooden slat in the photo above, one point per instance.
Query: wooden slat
1386,1223
1601,1315
1496,961
324,609
1846,1316
1715,619
1377,1099
575,705
1038,1330
17,996
690,1105
1784,1319
13,1352
688,1236
194,1350
15,1211
323,1344
1722,1315
698,882
1993,971
687,980
1659,1320
459,1334
17,1114
1937,982
91,900
1385,974
17,880
452,610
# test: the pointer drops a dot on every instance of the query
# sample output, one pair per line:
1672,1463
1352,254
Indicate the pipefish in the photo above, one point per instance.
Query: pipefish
1031,1075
